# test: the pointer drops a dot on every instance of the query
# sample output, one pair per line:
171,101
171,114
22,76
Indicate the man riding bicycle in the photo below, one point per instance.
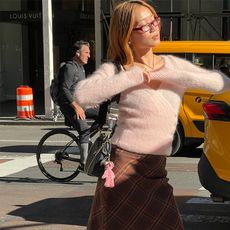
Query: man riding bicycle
69,75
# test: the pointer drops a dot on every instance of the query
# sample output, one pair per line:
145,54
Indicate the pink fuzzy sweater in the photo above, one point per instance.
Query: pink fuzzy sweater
148,113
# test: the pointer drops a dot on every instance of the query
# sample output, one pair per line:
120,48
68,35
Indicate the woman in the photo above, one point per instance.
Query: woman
151,88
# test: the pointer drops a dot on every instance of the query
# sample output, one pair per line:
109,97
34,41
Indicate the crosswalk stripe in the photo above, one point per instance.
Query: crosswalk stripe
19,141
17,165
202,188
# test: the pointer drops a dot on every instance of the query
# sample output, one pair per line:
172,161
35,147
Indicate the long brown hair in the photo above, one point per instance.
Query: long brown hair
121,26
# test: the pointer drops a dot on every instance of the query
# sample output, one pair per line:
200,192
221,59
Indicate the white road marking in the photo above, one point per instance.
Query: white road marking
32,141
202,189
19,141
20,163
17,165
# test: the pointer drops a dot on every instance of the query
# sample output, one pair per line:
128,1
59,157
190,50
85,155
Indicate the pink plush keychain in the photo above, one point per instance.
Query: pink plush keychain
109,174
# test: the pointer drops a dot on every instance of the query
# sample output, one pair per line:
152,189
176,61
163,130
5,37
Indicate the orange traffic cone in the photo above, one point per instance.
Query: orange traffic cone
25,104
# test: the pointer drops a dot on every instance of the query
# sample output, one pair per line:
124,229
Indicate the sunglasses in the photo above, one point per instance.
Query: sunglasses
152,25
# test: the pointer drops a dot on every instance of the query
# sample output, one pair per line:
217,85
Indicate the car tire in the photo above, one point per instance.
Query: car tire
178,140
219,188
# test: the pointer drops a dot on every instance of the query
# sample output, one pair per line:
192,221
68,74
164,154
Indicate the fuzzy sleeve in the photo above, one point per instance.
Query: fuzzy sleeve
105,83
189,76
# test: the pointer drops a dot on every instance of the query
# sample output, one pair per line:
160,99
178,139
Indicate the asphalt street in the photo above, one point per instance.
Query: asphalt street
30,201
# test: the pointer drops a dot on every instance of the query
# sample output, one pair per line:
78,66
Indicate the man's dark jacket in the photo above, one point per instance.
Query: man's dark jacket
69,75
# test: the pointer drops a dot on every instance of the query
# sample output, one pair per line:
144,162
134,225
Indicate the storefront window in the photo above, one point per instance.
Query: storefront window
226,20
21,56
72,20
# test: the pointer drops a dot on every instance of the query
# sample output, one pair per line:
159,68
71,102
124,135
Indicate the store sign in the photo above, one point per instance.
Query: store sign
20,16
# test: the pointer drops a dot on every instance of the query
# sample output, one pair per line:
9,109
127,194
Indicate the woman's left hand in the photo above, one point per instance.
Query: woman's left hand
147,77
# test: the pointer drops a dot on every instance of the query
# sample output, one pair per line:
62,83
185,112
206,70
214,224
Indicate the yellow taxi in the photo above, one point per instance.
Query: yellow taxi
214,164
207,54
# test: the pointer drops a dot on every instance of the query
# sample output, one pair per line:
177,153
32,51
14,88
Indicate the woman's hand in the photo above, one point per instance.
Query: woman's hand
146,76
146,72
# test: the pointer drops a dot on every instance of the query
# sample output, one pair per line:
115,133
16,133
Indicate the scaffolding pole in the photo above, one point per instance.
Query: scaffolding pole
47,54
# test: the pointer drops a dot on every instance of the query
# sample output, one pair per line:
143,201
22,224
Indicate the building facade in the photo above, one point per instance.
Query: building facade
36,36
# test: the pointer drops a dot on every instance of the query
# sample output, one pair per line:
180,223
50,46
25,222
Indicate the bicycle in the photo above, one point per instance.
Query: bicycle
58,151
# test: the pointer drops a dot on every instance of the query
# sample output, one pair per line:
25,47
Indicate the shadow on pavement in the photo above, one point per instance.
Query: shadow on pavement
39,180
18,149
69,211
197,212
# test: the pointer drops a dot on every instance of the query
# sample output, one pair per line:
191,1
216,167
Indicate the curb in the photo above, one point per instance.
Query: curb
34,121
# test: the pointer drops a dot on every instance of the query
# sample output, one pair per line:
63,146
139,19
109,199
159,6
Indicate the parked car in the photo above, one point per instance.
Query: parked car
190,127
214,164
210,55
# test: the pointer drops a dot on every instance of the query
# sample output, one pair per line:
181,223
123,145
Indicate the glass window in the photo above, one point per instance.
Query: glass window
222,63
72,20
226,4
194,19
203,60
226,20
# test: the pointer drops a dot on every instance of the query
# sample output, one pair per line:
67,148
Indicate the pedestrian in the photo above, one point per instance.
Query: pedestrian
151,88
70,74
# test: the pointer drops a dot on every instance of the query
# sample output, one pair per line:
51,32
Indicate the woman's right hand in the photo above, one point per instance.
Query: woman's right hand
146,74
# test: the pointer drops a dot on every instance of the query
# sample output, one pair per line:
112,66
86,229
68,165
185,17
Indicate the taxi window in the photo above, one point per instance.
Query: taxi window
222,63
204,60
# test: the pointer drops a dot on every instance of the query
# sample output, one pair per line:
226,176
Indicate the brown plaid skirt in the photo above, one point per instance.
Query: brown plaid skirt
142,199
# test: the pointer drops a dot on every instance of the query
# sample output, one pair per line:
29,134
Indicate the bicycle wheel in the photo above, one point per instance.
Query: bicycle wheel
58,155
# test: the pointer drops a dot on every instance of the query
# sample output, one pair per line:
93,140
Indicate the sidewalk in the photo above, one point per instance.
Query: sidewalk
38,120
8,115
